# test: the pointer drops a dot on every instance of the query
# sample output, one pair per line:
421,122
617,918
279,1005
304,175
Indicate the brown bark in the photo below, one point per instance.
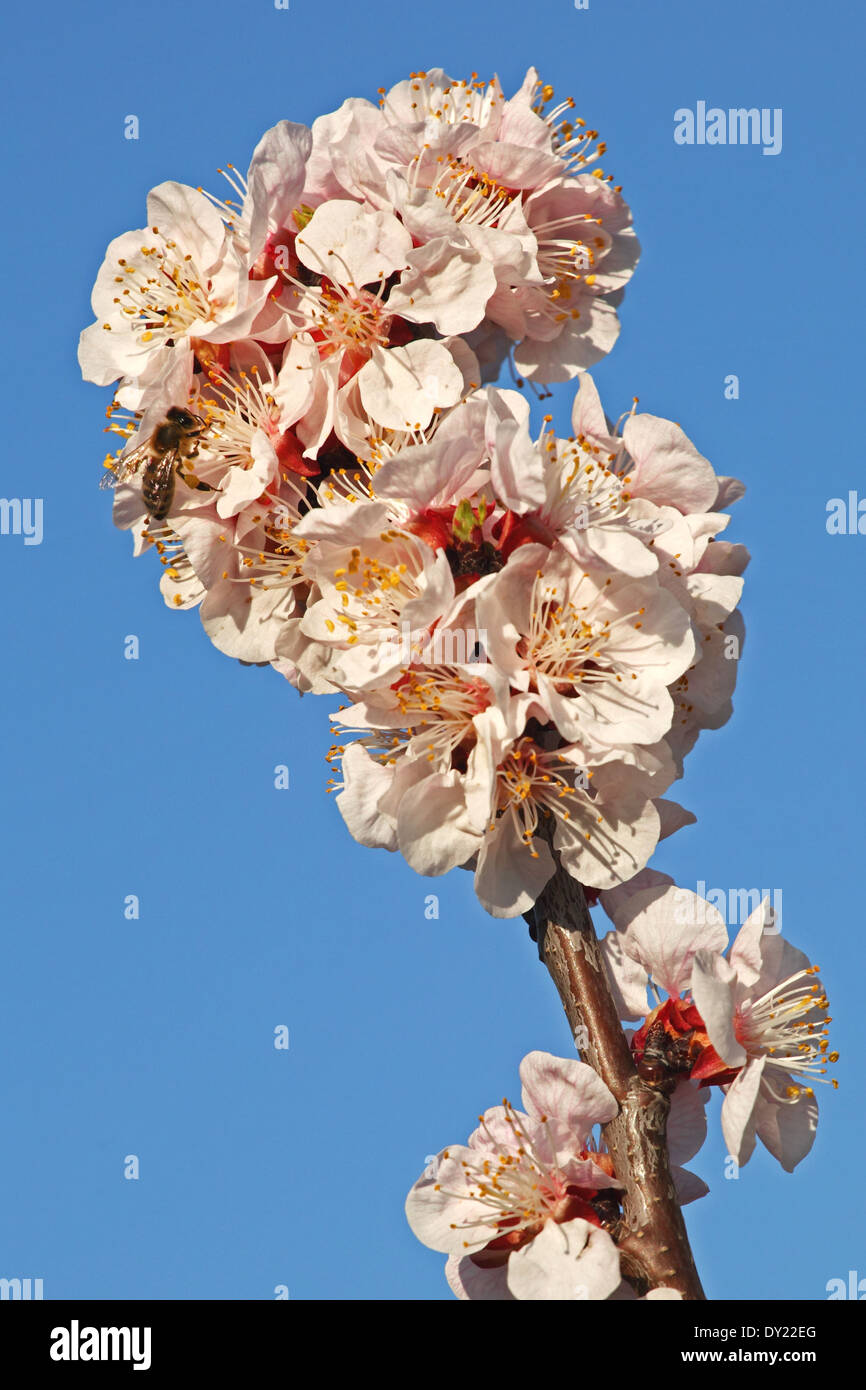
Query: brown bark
652,1236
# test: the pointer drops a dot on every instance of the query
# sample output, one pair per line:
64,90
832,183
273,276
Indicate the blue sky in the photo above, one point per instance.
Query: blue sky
155,777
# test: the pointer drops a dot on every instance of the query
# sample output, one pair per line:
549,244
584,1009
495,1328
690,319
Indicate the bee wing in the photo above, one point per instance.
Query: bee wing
157,489
125,467
163,468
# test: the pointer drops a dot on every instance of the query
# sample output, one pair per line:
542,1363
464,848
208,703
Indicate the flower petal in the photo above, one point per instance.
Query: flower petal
467,1281
402,386
712,982
787,1129
567,1091
353,245
738,1111
667,927
687,1121
572,1262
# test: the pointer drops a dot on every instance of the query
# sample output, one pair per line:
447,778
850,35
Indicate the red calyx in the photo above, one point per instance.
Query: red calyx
433,526
277,258
513,531
401,332
290,455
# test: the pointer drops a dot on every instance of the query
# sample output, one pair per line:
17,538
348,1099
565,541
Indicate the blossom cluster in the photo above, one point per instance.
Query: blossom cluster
595,617
527,631
531,1207
753,1021
530,630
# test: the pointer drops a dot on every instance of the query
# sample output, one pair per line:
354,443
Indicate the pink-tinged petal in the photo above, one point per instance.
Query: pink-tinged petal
181,591
202,545
713,984
419,209
433,826
495,1132
587,413
786,1129
746,955
467,1281
407,773
318,419
668,468
240,485
580,344
311,664
448,284
779,961
245,622
440,1216
624,902
687,1121
572,1262
276,180
366,782
343,159
428,475
606,721
609,839
520,124
229,327
582,1172
725,557
673,817
175,207
504,608
738,1111
714,596
667,927
617,550
627,979
343,522
508,879
688,1186
567,1091
510,249
294,388
505,310
471,369
97,357
516,465
402,386
730,491
514,166
352,245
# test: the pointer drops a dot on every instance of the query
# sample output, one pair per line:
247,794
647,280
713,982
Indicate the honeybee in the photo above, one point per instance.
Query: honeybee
173,441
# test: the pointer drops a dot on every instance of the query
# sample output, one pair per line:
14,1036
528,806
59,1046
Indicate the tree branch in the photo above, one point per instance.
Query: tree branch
652,1237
